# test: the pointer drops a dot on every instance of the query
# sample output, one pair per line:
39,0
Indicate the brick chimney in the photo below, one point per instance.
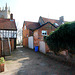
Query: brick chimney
61,18
11,16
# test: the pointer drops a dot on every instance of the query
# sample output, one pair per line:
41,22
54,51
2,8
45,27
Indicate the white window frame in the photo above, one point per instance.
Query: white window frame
10,34
15,34
7,33
43,32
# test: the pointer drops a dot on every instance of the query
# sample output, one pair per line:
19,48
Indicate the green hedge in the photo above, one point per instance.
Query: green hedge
62,38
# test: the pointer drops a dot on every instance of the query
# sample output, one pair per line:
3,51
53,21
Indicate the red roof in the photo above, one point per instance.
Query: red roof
7,24
32,25
52,21
36,25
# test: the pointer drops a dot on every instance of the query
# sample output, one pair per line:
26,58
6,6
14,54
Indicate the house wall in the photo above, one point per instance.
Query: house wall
30,33
25,35
47,48
12,44
38,34
6,46
36,42
0,47
6,49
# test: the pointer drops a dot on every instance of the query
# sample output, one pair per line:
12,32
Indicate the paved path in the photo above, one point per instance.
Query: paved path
25,61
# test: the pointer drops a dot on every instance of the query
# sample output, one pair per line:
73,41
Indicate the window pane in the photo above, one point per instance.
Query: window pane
1,33
44,32
12,34
6,33
9,34
15,34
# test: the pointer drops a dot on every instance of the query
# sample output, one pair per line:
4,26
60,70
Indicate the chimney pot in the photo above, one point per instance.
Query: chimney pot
11,16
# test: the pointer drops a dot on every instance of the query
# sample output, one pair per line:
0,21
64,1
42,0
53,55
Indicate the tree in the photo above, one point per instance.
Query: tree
63,38
19,36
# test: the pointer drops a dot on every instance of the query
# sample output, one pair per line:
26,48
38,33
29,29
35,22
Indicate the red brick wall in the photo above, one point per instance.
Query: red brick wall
0,47
6,49
6,45
25,41
46,28
12,44
47,48
36,42
38,34
25,34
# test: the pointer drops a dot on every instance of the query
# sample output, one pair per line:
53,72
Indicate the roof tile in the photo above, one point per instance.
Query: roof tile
52,21
32,25
7,24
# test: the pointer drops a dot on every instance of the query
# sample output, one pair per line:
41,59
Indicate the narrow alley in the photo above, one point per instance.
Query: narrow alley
24,61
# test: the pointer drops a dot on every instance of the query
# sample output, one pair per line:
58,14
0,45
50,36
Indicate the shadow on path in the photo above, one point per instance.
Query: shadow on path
25,61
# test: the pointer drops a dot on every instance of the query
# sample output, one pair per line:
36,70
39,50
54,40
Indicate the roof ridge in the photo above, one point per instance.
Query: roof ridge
45,24
50,18
31,21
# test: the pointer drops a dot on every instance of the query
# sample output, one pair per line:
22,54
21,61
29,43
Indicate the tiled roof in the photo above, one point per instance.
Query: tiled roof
52,21
7,24
45,24
32,25
36,25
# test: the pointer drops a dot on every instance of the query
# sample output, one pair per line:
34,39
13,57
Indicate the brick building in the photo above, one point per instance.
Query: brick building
27,32
38,30
8,34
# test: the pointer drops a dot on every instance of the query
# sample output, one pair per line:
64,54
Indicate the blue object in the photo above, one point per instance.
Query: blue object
36,48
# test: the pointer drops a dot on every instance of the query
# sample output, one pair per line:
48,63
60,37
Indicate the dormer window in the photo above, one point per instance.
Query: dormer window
56,24
40,24
44,32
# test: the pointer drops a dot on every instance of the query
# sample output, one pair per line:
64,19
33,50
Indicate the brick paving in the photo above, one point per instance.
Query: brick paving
24,61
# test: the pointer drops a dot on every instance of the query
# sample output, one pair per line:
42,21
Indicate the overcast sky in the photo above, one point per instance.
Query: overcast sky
30,10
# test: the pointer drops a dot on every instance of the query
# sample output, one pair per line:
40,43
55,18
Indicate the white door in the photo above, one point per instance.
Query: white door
42,47
30,42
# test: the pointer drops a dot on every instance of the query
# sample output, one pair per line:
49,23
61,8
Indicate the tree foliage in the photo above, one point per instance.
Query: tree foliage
62,38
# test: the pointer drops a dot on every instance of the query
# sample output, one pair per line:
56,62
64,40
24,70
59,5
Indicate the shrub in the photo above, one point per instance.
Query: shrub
2,60
62,38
